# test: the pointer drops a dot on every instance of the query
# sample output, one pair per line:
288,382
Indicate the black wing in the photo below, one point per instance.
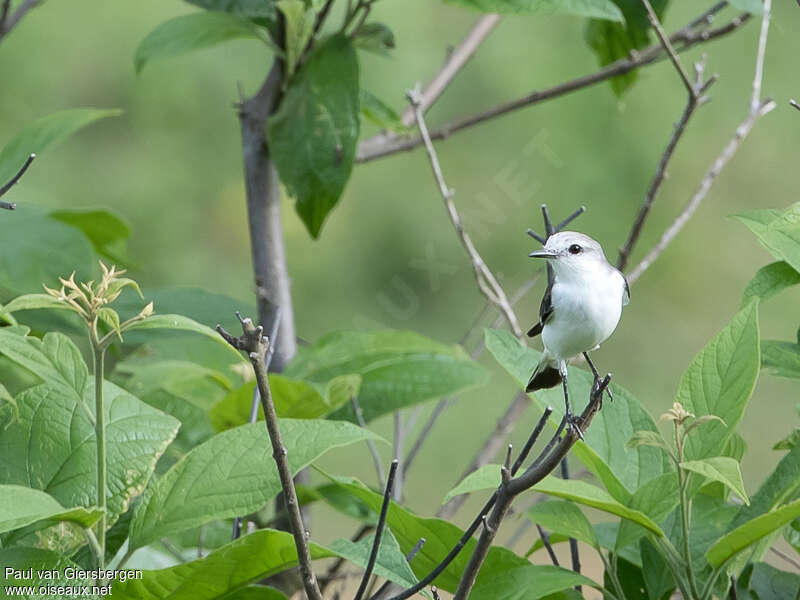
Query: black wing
545,312
626,298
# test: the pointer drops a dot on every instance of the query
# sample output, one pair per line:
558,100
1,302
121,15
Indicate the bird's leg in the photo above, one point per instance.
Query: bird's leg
568,416
597,378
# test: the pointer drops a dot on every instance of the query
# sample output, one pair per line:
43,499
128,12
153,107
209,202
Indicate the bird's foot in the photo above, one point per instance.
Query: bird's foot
596,386
574,424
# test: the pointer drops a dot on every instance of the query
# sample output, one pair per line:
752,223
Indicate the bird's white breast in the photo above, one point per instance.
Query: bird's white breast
586,310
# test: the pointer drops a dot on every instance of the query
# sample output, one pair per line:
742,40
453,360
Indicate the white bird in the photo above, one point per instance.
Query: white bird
580,309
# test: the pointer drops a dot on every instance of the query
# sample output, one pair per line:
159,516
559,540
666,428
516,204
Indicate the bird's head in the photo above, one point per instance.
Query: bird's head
571,252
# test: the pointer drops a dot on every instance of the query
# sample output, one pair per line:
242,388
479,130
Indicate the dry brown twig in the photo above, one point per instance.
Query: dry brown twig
758,107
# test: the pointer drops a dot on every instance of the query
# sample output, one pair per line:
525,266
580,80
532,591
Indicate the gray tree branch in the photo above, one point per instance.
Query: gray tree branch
9,20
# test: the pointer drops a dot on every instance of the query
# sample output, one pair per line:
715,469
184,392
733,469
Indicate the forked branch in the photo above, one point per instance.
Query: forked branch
255,345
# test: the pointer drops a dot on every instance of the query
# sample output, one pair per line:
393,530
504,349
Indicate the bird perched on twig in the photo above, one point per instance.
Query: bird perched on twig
580,309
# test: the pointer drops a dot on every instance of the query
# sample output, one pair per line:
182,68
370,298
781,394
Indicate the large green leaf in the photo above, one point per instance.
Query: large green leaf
612,41
245,8
391,563
762,581
769,281
293,399
397,368
530,582
313,135
565,518
778,232
604,451
106,230
195,31
441,537
22,506
181,323
233,473
23,561
750,532
723,469
781,359
58,410
720,380
595,497
606,534
486,477
250,558
41,133
376,111
657,499
40,249
600,9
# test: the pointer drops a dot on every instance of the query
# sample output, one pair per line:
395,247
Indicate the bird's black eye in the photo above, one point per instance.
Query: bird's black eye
575,249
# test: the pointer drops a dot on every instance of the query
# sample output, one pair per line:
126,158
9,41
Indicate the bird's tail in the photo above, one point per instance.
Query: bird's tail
546,375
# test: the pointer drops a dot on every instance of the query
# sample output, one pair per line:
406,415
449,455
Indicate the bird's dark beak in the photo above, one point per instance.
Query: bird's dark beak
543,253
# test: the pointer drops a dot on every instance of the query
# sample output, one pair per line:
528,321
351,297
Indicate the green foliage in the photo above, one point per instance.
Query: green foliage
486,477
562,517
781,359
107,232
720,380
391,563
778,232
601,9
374,37
604,450
530,582
22,506
719,468
769,281
244,8
41,561
231,474
299,28
314,133
613,41
249,559
397,368
373,109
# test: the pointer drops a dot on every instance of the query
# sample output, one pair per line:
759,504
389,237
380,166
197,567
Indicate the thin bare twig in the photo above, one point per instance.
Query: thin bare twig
409,557
573,543
695,100
794,103
10,20
673,56
487,282
547,461
430,577
13,181
545,537
376,543
696,32
757,109
373,450
399,443
789,559
253,342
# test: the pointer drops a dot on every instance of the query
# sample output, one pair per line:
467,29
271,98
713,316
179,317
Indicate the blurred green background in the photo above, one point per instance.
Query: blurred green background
171,167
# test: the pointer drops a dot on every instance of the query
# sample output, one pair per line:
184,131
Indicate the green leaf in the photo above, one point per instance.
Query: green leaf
560,516
251,558
606,534
106,230
44,250
391,563
720,380
294,399
590,495
751,532
789,442
657,499
529,582
299,28
658,579
22,506
38,562
110,317
752,6
397,368
34,302
195,31
486,477
649,438
604,450
720,468
181,323
600,9
613,41
232,474
778,232
781,359
36,136
244,8
314,133
374,37
441,537
769,281
373,109
765,582
59,411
